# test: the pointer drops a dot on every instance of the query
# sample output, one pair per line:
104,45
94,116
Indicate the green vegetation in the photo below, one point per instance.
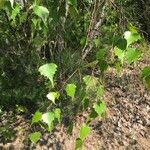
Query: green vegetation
54,56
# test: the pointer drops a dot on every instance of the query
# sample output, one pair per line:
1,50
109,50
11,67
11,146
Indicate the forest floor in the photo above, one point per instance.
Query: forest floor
125,127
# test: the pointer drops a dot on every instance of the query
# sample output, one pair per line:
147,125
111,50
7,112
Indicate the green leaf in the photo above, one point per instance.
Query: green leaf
79,144
120,54
84,131
146,72
34,137
100,107
132,55
121,43
131,37
90,81
48,118
101,54
36,117
53,96
57,113
48,70
42,12
70,90
15,12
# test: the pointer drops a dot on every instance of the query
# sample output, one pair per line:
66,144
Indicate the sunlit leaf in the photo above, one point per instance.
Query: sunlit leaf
48,70
42,12
90,81
131,37
84,131
53,96
36,117
70,90
48,118
100,107
34,137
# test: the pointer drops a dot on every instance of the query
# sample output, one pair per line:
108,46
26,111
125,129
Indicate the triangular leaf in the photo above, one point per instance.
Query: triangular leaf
34,137
90,81
100,107
70,90
131,37
42,12
48,70
36,117
48,118
84,131
53,96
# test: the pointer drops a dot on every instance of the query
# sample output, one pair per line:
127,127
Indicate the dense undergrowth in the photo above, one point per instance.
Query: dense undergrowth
54,56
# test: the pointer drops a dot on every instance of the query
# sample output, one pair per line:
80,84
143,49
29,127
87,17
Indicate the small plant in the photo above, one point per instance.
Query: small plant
49,119
124,49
